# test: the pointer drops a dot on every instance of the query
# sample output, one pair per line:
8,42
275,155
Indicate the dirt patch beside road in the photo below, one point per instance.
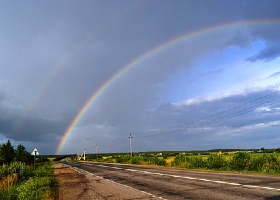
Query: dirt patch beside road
71,184
76,185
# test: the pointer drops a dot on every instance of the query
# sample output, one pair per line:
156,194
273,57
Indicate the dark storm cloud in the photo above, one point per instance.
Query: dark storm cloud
31,128
90,41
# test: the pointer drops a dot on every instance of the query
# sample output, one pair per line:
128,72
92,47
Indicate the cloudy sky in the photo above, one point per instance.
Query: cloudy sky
178,75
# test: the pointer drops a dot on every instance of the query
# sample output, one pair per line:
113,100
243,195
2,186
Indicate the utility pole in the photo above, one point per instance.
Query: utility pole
130,144
96,151
84,154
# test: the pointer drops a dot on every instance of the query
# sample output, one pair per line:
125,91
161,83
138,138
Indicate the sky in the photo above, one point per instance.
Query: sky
177,75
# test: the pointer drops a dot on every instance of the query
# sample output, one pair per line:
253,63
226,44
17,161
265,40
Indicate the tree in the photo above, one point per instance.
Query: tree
22,155
7,152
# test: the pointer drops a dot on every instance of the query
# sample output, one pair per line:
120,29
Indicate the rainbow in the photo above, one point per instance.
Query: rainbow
39,92
60,67
156,50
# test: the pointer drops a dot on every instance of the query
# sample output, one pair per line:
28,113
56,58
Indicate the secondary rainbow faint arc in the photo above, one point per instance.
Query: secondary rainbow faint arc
150,53
60,67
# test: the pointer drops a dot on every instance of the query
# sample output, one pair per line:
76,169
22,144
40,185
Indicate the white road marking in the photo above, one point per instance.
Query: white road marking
117,168
269,188
236,184
132,170
159,174
223,182
192,178
175,176
144,192
251,186
103,166
202,179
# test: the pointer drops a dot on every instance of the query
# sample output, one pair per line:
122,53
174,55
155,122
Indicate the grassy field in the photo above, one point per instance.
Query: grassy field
246,161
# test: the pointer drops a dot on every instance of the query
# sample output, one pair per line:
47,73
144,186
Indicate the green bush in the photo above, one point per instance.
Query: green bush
216,162
21,169
136,160
180,161
192,162
107,159
257,162
240,161
157,161
124,159
271,165
197,162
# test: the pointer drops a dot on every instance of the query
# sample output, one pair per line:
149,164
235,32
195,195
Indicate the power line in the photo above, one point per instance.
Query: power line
241,112
235,107
233,115
201,122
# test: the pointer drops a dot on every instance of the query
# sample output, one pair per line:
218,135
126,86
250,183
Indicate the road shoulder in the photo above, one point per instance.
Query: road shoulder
73,184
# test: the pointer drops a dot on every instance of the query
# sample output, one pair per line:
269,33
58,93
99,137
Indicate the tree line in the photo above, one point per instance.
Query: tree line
8,154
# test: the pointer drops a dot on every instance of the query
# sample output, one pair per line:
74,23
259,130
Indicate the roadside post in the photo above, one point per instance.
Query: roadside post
35,152
130,144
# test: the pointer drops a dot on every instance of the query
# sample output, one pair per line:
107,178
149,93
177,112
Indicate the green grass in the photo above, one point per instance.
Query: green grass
229,161
241,161
37,183
34,188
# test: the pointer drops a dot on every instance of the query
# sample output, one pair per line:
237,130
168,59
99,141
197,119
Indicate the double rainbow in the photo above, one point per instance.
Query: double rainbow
152,52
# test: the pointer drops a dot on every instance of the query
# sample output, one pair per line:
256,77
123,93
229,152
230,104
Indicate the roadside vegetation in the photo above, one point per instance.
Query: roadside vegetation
261,161
20,179
240,161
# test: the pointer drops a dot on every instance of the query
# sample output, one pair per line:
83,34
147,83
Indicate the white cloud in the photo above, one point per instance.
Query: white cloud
200,100
246,129
261,109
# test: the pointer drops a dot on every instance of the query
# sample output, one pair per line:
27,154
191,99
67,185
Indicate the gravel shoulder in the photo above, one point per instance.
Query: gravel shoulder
74,184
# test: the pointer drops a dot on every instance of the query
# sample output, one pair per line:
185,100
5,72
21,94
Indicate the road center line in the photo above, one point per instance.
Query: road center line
86,172
132,170
117,168
192,178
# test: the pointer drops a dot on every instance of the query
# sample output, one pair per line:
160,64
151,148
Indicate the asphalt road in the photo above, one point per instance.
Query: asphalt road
166,183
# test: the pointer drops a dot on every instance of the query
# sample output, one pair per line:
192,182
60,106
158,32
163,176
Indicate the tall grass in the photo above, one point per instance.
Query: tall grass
20,169
137,159
237,162
34,188
29,184
240,161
